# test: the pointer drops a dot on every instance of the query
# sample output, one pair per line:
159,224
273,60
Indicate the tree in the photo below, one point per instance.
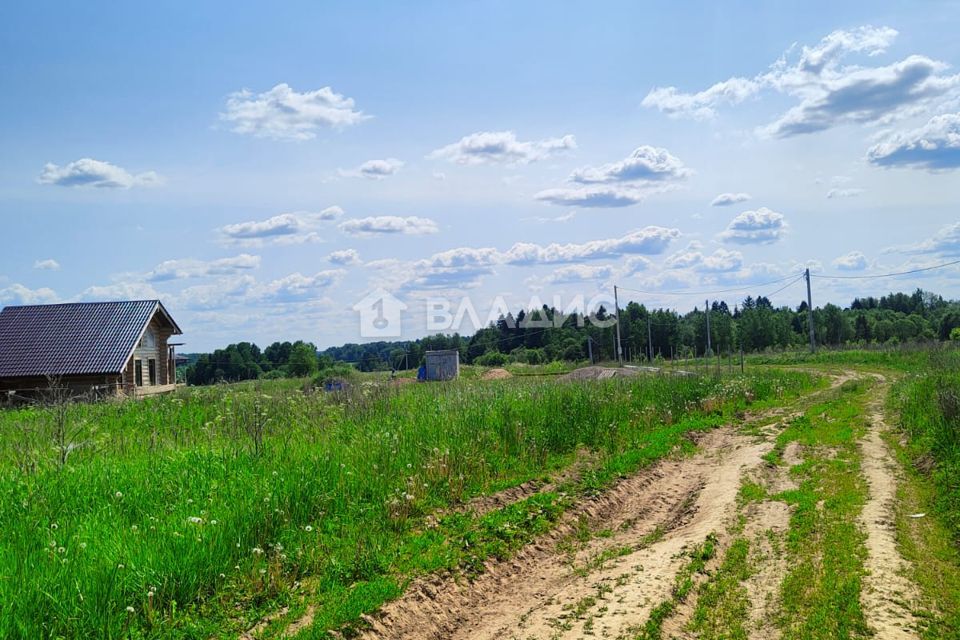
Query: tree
303,360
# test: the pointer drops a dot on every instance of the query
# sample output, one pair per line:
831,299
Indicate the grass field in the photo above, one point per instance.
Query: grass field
191,516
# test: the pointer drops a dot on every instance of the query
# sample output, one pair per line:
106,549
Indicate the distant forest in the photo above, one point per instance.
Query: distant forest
753,325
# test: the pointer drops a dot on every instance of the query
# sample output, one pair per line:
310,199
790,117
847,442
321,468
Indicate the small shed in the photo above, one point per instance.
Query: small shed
442,365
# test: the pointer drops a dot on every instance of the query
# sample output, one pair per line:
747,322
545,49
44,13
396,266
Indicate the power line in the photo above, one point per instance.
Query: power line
747,287
789,284
886,275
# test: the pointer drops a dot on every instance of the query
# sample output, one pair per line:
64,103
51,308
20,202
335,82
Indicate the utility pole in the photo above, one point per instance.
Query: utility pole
649,340
813,343
707,310
616,308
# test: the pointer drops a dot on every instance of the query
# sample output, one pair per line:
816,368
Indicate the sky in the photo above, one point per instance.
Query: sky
264,169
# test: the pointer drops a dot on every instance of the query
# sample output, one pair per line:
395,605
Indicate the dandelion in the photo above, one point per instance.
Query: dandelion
213,522
308,528
222,576
236,567
118,495
83,545
120,566
257,551
54,526
131,610
150,594
262,571
133,527
61,550
195,520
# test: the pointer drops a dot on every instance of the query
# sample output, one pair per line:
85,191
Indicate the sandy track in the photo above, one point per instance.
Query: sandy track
538,594
888,596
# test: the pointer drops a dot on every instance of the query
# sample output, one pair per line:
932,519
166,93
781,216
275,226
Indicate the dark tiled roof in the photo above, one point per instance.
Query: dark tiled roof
72,339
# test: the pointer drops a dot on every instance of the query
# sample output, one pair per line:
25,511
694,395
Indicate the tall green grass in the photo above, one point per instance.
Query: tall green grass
164,517
928,402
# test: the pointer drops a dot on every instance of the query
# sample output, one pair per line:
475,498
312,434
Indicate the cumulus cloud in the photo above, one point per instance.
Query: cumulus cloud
647,241
501,147
19,294
376,225
727,199
284,114
344,257
838,192
192,268
374,169
580,273
47,265
762,226
626,182
945,242
720,261
934,146
829,93
286,228
87,172
853,261
865,95
297,287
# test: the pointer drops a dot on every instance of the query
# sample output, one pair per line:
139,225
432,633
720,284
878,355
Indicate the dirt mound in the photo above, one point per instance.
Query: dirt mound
598,373
496,374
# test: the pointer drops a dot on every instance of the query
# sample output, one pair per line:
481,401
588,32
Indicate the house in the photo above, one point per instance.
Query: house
105,347
442,365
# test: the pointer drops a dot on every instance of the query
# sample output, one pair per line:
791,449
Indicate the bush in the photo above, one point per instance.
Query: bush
955,334
492,359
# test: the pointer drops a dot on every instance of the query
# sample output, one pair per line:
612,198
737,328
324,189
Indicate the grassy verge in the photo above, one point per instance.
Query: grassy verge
927,405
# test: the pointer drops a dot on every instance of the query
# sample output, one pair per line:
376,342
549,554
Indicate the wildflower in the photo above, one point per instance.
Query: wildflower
262,571
131,610
222,576
61,550
236,567
120,566
133,527
257,551
195,520
83,545
308,528
118,495
213,522
150,594
54,526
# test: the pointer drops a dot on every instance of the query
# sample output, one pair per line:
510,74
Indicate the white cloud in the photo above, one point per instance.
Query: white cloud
374,169
727,199
284,114
647,241
934,146
721,260
864,95
626,182
344,257
501,147
634,265
702,104
297,287
837,192
88,172
388,225
762,226
47,265
853,261
580,273
121,290
297,227
945,242
192,268
19,294
566,217
828,93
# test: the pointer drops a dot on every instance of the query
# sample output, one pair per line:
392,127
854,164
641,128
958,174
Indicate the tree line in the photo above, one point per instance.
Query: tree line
538,336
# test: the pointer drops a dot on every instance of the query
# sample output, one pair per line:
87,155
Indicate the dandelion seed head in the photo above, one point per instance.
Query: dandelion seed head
131,610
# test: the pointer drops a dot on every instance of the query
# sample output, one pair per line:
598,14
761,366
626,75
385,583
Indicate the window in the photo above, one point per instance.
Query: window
152,366
138,372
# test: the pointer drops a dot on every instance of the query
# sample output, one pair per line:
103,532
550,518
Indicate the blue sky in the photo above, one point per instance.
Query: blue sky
261,169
